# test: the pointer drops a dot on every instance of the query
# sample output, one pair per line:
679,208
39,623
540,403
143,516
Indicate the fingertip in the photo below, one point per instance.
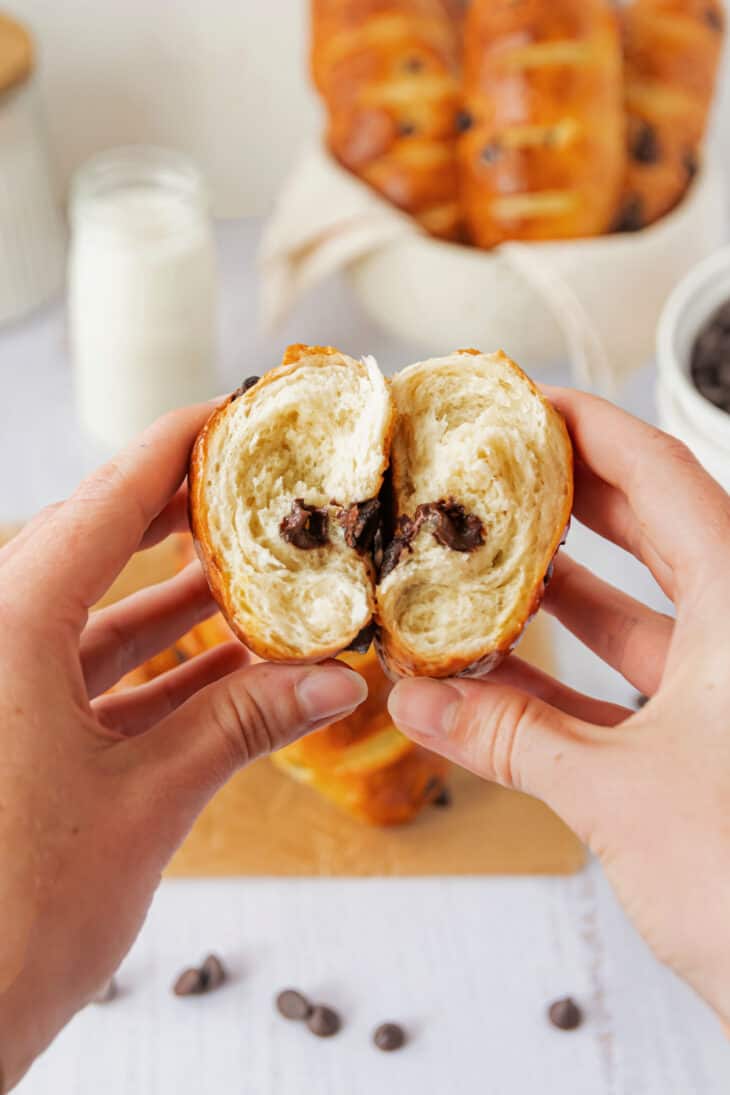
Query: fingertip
424,708
329,691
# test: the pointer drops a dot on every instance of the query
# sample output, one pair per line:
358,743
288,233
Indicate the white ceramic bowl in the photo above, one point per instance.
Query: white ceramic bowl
682,410
542,303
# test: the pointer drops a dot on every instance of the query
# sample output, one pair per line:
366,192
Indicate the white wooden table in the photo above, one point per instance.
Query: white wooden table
467,964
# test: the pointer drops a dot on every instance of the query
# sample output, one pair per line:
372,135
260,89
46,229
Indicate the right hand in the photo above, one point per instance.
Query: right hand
649,792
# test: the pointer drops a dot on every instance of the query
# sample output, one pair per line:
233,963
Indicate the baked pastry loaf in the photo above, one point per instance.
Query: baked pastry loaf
387,73
672,50
543,156
482,476
363,763
444,569
284,480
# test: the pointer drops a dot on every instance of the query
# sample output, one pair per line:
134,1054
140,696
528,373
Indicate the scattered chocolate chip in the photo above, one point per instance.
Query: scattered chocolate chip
463,121
406,129
690,163
645,147
631,218
361,522
490,153
323,1021
565,1014
389,1037
640,701
304,526
191,982
451,525
293,1005
213,972
106,993
713,18
363,640
413,64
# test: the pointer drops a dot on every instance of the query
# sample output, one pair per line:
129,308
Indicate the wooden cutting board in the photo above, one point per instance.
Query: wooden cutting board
263,823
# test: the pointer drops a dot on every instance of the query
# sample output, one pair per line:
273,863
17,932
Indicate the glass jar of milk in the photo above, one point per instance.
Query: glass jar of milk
142,290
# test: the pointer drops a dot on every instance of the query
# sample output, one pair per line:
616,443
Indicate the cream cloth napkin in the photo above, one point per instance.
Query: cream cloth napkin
605,294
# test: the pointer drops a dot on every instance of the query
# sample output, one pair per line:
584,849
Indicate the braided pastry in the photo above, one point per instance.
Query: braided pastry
544,154
672,50
387,73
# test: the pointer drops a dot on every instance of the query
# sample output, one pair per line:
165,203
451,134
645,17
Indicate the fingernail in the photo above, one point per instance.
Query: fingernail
427,707
329,690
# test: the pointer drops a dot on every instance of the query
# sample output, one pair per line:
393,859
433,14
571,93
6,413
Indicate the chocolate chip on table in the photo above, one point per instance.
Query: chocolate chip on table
305,526
213,972
443,799
293,1005
191,982
565,1014
645,147
106,993
389,1037
323,1021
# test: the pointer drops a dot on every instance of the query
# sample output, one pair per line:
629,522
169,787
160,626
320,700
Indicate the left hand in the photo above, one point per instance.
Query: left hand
97,791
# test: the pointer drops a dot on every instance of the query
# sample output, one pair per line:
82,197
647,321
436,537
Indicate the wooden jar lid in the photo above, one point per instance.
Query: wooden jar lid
16,53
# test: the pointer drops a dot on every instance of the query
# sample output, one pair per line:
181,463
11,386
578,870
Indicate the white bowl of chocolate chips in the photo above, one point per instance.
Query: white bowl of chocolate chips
693,388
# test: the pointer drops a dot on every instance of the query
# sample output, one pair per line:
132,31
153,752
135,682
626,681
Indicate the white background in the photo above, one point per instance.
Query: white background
224,79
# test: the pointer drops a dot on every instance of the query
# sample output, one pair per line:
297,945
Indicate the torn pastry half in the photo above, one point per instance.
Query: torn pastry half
284,484
309,550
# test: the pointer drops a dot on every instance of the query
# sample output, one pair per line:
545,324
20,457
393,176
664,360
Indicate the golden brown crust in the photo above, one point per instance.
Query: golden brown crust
387,72
545,152
212,563
362,763
397,658
672,52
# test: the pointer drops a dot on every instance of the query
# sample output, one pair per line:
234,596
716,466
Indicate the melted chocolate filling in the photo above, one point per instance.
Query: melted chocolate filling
305,526
361,522
449,523
361,643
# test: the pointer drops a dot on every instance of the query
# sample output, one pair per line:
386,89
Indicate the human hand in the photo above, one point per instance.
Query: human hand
97,791
649,792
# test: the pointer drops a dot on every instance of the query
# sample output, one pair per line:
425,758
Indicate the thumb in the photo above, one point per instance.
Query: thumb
503,735
180,764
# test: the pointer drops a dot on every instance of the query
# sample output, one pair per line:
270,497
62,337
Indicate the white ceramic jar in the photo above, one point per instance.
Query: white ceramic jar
32,235
142,290
683,411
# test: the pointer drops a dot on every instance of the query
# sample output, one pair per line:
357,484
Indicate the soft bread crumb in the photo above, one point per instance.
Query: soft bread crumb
473,427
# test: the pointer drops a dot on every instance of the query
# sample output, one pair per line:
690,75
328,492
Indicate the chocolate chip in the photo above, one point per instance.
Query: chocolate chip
248,383
548,575
640,701
106,993
361,522
451,525
293,1005
323,1021
363,640
389,1037
191,982
443,800
304,526
690,163
213,972
406,129
463,121
631,218
413,64
710,362
565,1014
645,147
713,18
490,153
